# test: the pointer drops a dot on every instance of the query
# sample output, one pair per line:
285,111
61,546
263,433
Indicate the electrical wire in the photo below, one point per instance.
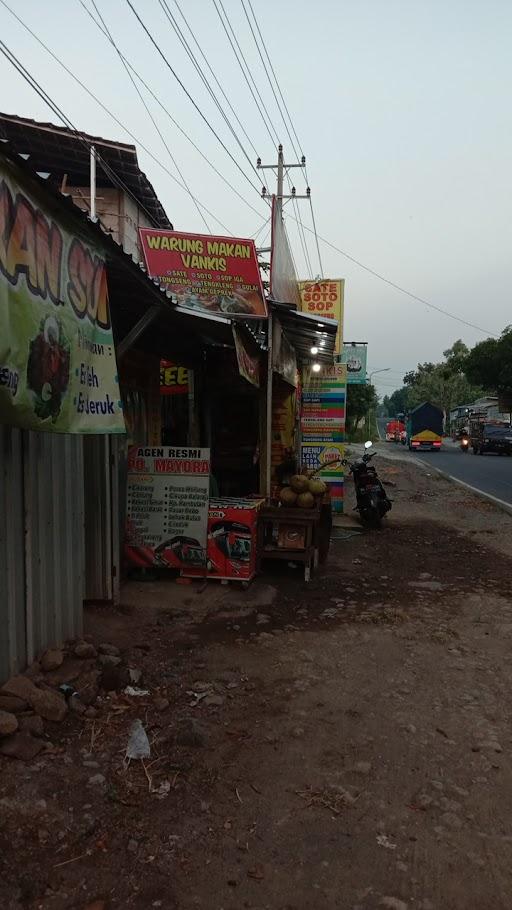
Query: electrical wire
150,115
123,126
189,96
296,207
203,55
150,91
173,22
273,138
269,79
403,290
34,84
273,73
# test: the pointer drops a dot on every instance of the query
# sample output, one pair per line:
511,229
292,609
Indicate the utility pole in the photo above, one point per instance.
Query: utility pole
279,198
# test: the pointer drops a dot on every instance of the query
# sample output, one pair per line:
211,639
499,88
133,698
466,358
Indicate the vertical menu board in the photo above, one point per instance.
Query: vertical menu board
323,426
167,508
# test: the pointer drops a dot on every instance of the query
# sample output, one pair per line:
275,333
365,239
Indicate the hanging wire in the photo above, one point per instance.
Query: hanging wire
216,80
148,89
189,96
150,115
174,24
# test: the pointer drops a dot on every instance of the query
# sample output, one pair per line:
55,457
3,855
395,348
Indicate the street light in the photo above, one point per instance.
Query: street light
373,373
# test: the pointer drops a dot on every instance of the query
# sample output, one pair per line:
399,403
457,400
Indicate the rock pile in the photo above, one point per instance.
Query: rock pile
67,679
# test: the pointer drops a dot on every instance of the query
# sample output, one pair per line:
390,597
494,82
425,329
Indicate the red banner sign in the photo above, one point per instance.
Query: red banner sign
219,274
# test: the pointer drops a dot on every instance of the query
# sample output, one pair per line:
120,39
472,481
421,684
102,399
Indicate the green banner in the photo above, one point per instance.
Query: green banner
354,355
57,359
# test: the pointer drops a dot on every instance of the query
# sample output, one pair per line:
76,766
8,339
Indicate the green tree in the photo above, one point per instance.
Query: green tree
489,363
361,399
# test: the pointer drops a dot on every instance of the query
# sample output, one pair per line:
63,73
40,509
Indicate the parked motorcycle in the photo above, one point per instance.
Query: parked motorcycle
371,498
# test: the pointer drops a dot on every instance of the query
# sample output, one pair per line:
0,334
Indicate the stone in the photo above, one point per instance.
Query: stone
393,903
91,712
45,702
19,686
109,660
97,780
114,678
8,723
22,746
52,659
452,821
76,706
191,733
160,703
106,648
132,846
213,701
32,724
12,704
88,685
262,619
48,704
363,767
134,675
85,650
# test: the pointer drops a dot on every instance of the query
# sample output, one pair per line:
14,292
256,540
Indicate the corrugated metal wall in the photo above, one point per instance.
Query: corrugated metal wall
41,543
12,558
98,518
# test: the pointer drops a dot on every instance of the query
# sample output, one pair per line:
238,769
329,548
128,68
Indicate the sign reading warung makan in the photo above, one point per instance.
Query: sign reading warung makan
57,359
219,274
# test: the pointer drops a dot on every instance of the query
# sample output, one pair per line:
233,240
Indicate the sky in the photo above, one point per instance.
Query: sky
402,108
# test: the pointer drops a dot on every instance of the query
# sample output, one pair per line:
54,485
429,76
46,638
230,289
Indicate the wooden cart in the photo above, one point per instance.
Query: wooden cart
295,535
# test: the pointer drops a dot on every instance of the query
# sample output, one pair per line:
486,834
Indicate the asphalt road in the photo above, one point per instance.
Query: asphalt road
490,474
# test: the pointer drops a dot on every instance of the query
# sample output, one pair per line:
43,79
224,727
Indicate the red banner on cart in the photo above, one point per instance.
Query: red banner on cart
218,274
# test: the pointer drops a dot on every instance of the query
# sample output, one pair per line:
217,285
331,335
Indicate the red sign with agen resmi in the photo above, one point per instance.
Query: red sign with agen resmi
206,272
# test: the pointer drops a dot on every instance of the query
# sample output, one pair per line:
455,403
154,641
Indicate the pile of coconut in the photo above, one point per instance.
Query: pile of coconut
303,492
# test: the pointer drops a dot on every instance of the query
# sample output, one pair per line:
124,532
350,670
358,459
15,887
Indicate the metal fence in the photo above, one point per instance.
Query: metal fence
41,543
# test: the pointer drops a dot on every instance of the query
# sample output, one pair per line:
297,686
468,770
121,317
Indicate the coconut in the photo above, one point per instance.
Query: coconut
306,501
288,497
317,487
299,483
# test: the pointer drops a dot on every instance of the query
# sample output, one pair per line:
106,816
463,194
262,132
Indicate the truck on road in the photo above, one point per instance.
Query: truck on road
425,428
489,435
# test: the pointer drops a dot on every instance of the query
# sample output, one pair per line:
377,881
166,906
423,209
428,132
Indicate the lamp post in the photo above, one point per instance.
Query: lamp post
373,373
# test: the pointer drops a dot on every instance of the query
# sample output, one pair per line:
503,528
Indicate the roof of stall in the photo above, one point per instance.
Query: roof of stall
304,332
61,152
176,331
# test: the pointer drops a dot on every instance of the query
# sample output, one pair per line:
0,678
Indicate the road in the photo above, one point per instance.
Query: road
488,473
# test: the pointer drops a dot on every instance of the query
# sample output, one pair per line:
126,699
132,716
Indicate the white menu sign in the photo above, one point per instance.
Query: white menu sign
167,508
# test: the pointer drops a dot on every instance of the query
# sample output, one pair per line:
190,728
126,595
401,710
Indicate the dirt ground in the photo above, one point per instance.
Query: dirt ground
342,744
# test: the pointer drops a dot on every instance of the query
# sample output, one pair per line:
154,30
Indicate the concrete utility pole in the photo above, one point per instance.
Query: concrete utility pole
281,168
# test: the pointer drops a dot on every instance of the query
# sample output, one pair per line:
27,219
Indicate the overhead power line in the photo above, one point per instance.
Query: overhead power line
189,96
223,93
174,24
403,290
153,95
122,125
150,115
38,88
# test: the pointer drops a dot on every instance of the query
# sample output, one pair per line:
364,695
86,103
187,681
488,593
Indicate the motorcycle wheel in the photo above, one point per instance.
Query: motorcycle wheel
371,518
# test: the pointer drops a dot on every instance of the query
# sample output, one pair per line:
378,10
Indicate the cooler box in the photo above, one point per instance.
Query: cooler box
232,540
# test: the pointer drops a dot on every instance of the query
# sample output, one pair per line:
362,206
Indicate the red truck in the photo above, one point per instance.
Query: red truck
394,430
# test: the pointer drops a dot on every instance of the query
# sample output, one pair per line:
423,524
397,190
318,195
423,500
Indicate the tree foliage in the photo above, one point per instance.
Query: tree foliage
446,384
489,363
360,400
